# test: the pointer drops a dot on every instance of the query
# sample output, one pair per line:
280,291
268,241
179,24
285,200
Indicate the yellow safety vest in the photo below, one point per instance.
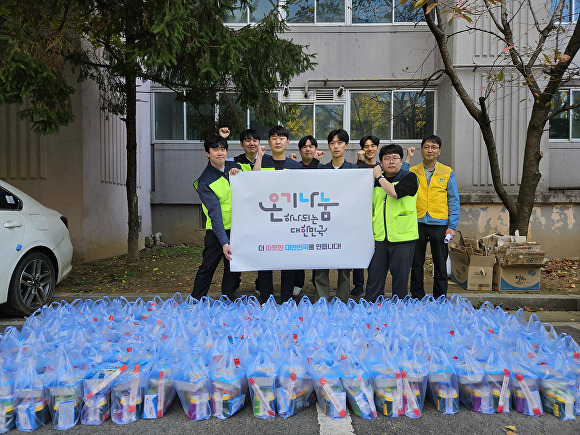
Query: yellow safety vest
432,197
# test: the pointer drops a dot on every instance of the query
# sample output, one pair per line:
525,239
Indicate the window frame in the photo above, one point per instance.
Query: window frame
392,91
344,101
154,140
570,138
346,22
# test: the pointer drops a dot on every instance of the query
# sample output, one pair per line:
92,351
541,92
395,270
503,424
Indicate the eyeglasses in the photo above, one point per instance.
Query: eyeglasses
430,147
391,159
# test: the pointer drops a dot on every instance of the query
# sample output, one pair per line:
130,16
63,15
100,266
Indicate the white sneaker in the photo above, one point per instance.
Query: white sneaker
296,291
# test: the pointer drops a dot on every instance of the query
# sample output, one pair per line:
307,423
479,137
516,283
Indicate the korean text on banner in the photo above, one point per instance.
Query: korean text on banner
301,220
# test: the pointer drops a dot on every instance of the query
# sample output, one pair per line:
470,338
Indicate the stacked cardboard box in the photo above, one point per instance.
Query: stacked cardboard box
497,261
470,267
518,262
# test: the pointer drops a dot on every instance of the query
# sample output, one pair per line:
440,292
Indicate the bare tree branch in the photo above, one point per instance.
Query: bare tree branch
440,37
544,34
557,71
536,22
493,17
564,108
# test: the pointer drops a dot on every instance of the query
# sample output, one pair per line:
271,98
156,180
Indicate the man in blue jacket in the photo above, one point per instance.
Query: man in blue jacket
213,188
438,215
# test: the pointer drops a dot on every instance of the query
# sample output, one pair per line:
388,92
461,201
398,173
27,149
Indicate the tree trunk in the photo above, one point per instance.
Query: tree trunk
531,168
131,184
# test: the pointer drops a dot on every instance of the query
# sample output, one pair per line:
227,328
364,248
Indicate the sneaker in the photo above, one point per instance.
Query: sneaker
357,290
296,291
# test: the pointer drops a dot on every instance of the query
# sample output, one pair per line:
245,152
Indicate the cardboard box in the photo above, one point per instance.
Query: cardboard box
472,272
493,241
521,278
521,254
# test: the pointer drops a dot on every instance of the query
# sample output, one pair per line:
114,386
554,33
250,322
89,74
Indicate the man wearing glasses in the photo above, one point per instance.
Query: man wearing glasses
394,224
438,215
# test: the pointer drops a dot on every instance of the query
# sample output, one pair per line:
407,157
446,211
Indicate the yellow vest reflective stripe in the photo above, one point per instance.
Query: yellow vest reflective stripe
432,198
221,188
245,166
399,215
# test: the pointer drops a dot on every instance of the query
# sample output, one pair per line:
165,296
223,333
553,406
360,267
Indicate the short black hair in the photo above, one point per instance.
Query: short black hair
432,138
302,142
342,135
279,131
392,148
373,139
249,133
214,141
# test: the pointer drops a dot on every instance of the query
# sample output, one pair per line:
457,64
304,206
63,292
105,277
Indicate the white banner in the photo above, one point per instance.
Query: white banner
302,219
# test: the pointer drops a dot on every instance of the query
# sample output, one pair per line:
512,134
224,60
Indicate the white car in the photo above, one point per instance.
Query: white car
35,250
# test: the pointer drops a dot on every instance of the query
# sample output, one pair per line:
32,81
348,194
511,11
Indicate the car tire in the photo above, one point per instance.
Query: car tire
32,283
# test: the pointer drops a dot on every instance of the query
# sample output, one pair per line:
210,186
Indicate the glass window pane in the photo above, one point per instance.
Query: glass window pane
330,11
370,114
412,115
576,9
168,117
200,121
300,11
261,128
301,117
239,15
372,11
575,115
404,13
560,124
8,201
327,118
566,14
261,9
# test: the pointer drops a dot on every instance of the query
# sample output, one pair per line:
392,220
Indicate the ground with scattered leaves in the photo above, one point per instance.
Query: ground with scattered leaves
561,277
172,268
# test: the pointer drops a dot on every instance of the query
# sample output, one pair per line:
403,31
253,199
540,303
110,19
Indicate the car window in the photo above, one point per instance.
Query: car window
8,201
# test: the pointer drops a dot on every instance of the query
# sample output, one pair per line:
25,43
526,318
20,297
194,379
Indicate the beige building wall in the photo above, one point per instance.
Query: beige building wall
80,171
555,226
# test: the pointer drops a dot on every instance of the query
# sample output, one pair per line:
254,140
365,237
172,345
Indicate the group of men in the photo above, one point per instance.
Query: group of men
411,207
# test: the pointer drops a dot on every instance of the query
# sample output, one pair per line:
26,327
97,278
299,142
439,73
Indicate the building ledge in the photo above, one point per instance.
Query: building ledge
551,197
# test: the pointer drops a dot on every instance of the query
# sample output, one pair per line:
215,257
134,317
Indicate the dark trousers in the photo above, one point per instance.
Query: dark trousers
396,257
435,235
266,284
212,254
300,278
358,277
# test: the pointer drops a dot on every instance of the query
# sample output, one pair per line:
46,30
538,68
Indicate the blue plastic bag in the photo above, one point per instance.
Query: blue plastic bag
357,382
31,399
294,387
65,394
325,372
262,383
193,385
228,385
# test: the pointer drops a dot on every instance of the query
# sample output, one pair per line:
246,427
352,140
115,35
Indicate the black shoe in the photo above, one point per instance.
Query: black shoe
357,290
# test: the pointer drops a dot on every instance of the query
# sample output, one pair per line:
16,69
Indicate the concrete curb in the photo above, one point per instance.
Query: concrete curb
505,300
